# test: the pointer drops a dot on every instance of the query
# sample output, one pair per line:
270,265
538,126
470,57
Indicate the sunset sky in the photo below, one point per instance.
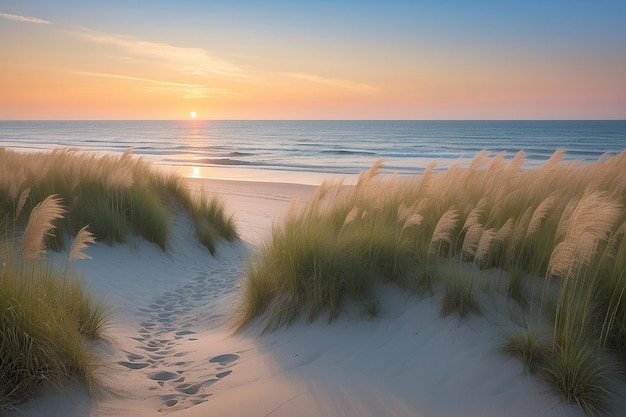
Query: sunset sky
139,59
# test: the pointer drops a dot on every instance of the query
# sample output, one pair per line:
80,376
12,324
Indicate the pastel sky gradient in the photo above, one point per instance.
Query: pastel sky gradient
140,59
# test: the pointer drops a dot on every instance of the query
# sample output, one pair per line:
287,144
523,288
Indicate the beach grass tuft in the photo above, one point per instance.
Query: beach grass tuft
558,230
45,315
114,195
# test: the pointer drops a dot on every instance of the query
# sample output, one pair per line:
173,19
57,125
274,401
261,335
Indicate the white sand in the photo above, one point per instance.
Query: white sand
170,350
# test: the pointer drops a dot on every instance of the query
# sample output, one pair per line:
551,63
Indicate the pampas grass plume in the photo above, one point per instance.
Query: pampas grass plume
39,226
472,239
591,221
413,220
484,244
352,215
474,216
83,239
20,203
540,214
443,229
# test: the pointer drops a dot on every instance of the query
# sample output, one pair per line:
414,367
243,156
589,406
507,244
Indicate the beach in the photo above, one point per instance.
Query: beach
170,348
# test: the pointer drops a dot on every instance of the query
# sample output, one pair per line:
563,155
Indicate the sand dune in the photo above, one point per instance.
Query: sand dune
170,349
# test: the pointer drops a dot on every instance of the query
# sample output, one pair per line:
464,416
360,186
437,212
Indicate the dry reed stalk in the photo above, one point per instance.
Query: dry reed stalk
39,226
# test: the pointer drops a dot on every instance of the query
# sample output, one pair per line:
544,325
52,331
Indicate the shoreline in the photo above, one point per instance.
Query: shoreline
255,175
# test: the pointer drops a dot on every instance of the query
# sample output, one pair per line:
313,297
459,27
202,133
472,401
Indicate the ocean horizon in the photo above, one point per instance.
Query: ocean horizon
293,150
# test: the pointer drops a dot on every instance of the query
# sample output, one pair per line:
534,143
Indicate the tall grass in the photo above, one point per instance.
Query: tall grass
114,195
45,315
559,230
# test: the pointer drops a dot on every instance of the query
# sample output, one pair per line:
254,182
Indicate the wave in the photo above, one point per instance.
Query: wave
222,161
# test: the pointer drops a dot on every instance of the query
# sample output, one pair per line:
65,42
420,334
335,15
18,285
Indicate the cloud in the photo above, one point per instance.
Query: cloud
24,19
184,90
191,61
336,83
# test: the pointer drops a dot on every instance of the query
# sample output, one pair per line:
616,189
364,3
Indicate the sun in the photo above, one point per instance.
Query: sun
193,114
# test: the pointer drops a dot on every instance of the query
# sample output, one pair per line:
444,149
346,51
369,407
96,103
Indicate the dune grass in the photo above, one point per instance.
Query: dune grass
114,195
559,231
45,314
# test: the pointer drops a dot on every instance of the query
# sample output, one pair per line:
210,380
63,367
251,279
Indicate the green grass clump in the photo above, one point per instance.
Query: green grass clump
459,295
528,348
115,195
45,315
559,231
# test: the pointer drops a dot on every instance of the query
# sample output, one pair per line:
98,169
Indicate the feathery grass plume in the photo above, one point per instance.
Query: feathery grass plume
81,242
120,179
470,242
497,164
505,231
474,216
39,226
554,159
484,245
127,155
591,222
540,214
20,203
322,190
403,212
413,220
564,221
515,166
427,175
443,230
519,231
366,176
479,160
352,215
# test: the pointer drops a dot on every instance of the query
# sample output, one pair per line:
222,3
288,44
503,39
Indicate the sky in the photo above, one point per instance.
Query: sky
140,59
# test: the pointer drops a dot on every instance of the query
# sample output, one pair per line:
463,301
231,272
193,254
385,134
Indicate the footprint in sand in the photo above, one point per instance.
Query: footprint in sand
224,359
167,323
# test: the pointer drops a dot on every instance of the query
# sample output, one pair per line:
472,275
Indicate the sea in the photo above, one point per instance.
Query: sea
308,151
